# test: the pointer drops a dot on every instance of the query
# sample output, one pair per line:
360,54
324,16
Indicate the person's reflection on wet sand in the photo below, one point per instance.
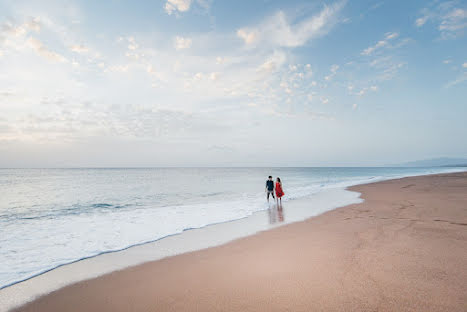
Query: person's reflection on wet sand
280,212
276,213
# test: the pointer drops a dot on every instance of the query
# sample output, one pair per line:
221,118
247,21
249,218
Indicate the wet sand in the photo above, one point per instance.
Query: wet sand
403,249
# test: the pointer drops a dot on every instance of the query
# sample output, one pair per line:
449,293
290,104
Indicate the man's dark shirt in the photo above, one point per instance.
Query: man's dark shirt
270,185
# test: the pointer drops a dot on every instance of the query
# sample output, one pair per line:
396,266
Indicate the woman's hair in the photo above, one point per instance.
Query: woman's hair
279,180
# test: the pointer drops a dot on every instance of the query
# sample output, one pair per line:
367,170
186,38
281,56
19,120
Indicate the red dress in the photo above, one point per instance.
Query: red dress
279,191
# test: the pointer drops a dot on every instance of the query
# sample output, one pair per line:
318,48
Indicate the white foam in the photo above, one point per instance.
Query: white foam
74,237
196,239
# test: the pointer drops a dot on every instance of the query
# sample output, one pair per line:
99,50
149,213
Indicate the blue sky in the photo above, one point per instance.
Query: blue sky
231,83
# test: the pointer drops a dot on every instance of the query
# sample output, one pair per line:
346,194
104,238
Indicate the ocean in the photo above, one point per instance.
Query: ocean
51,217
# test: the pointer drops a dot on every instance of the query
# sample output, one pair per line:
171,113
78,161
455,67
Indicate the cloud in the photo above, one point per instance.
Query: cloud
382,43
176,6
132,45
460,79
14,35
363,91
249,36
10,29
273,62
43,51
182,43
449,18
220,60
278,31
148,82
35,33
334,69
172,6
421,21
453,22
79,48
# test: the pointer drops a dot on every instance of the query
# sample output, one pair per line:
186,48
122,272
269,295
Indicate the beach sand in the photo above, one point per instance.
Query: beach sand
403,249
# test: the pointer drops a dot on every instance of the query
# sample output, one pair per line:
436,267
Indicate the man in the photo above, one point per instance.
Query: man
270,188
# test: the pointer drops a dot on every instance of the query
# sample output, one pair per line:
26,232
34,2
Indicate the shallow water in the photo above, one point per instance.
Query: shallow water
49,217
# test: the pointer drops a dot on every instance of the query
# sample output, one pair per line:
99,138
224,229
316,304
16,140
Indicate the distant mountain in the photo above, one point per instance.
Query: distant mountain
437,162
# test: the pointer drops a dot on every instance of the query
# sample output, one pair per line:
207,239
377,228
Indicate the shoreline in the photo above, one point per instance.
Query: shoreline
187,241
234,239
150,241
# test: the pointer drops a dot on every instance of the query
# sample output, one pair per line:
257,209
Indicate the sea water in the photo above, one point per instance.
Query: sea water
50,217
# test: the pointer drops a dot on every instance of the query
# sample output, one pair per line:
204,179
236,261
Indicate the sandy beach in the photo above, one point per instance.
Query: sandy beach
403,249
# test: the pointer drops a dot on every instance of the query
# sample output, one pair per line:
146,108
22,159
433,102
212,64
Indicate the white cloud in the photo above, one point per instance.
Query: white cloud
132,45
370,50
334,69
391,35
249,36
421,21
449,18
454,20
172,6
460,79
43,51
273,62
364,90
355,106
182,43
278,31
220,60
464,65
382,43
79,48
10,29
141,73
14,36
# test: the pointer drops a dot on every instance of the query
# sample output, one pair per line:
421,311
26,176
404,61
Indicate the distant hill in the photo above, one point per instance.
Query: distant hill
436,162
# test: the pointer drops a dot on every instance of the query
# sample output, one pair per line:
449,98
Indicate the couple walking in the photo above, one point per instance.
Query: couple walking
270,188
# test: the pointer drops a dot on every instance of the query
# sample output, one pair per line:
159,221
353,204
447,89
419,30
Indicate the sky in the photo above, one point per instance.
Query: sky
231,83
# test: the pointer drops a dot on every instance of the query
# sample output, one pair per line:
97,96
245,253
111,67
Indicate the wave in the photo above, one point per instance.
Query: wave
73,233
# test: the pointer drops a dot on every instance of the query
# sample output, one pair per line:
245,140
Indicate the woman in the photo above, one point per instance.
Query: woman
279,191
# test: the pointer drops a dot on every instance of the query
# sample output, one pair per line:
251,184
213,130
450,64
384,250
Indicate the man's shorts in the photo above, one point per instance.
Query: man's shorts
271,192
